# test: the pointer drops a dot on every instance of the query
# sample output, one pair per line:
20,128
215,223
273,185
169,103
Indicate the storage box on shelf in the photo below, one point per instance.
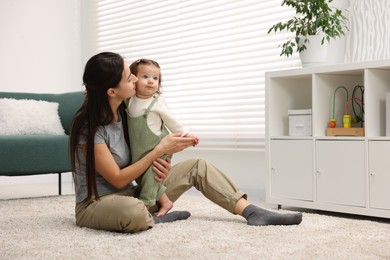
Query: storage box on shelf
299,122
349,174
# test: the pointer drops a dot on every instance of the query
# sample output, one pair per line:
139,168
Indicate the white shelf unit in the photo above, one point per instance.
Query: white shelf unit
332,173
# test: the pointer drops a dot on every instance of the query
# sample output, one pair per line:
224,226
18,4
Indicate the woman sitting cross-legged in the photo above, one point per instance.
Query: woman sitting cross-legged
106,197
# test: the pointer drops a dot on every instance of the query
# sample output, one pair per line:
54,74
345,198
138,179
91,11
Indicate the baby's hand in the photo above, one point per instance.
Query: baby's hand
196,141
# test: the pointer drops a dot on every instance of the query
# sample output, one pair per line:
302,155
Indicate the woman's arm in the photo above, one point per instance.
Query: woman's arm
107,167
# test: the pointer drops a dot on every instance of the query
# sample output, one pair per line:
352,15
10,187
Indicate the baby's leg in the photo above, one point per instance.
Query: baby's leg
165,205
151,190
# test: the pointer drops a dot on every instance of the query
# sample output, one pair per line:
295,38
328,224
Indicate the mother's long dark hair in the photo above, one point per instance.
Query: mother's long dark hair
102,72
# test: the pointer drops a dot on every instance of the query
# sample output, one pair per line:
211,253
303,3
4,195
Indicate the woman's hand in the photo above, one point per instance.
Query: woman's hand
174,143
196,142
161,168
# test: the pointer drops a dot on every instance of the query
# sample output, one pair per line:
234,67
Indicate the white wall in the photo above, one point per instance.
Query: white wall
40,46
369,36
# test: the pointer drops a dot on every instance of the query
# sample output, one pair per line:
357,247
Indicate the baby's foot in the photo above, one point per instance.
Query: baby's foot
164,208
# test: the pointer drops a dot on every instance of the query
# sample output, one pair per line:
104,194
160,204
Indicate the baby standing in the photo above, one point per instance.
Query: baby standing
149,120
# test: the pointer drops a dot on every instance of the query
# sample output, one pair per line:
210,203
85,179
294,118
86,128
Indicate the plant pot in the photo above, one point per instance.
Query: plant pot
329,53
336,49
315,53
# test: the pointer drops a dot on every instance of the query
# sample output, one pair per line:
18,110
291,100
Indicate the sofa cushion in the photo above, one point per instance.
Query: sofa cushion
34,154
29,117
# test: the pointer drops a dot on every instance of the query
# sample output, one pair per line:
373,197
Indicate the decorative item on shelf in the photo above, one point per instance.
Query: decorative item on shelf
348,120
315,21
299,122
332,123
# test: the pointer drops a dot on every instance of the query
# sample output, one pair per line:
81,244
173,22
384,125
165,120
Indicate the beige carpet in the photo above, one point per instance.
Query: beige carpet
44,228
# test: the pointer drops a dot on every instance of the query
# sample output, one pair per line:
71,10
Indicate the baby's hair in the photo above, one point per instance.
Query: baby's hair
135,64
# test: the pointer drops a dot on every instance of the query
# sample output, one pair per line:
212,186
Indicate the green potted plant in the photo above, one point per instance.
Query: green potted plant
313,17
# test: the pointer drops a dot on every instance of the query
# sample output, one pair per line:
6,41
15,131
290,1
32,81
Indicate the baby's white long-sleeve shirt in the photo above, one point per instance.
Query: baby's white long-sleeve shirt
158,113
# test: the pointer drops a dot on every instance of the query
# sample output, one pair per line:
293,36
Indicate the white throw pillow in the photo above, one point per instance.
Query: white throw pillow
29,117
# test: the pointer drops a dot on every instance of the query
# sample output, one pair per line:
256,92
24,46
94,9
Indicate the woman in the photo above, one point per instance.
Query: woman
105,196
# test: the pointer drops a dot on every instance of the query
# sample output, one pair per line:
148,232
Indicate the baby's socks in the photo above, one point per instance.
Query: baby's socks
257,216
171,216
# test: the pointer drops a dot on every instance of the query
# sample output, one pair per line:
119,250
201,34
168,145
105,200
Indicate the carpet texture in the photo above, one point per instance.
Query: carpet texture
44,228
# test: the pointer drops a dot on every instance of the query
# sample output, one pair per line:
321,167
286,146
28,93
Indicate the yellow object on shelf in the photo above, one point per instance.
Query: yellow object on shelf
347,121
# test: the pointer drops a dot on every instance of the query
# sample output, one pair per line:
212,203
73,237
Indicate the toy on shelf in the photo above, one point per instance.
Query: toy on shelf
348,120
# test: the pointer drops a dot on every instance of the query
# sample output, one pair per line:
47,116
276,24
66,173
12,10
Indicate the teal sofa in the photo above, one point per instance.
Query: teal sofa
40,154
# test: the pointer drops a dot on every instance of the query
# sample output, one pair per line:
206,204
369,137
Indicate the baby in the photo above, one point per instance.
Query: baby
149,120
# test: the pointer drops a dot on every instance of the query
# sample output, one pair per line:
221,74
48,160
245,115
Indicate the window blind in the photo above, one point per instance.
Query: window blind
213,55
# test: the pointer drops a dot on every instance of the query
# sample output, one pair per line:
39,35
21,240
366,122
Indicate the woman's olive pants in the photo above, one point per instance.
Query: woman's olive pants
123,212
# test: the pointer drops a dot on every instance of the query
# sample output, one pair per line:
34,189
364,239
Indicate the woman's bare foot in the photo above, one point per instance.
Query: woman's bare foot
165,205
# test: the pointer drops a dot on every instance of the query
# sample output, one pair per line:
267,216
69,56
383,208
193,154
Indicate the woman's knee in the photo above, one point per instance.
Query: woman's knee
202,166
199,164
199,172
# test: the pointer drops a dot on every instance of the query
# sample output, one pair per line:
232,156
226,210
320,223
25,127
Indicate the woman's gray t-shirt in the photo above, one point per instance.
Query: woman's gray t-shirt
113,136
